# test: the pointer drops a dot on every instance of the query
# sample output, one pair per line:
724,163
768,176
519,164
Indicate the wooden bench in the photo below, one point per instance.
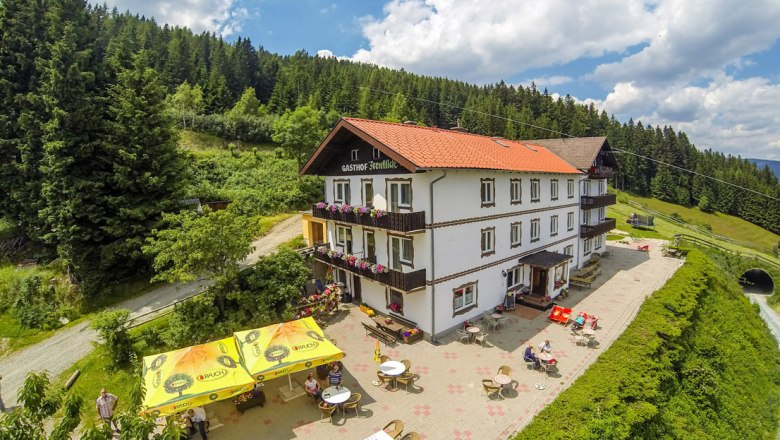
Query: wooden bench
380,334
409,325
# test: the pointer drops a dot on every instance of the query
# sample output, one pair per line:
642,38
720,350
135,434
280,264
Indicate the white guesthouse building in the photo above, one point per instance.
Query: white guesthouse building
440,225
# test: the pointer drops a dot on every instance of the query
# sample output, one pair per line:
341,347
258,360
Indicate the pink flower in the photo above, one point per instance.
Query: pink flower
321,205
380,268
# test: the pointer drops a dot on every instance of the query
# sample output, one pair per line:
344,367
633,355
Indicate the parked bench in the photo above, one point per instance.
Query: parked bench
409,325
380,334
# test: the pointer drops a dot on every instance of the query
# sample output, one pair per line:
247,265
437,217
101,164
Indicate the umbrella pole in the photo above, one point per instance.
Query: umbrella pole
289,379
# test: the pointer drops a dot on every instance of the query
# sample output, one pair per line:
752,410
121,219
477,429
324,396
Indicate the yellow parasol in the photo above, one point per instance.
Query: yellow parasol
193,376
285,348
377,354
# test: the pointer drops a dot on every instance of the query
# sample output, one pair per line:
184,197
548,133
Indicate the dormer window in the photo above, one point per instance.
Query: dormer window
377,154
354,155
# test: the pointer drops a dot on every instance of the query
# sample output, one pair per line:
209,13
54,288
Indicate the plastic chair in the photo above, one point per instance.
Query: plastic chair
490,388
411,436
326,411
493,323
384,358
505,369
383,377
407,363
398,428
352,403
462,334
481,338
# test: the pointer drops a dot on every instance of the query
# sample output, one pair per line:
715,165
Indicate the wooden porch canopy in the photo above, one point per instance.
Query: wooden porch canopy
545,259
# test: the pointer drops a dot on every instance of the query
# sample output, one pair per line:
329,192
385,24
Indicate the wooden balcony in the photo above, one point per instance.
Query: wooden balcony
393,278
593,202
394,221
590,231
600,172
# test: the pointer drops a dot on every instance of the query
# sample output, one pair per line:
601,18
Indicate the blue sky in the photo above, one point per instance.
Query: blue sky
710,68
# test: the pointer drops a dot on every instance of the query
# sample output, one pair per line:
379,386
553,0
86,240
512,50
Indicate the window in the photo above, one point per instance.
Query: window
554,189
344,238
354,155
602,186
514,277
602,214
553,225
534,230
401,251
586,188
369,244
586,217
463,297
368,192
488,241
569,250
376,154
570,188
487,192
341,191
400,195
516,234
515,191
597,246
586,247
534,190
560,275
569,221
397,298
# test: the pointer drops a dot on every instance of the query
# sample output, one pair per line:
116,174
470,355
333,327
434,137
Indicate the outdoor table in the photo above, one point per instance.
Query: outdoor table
588,332
336,395
473,330
393,327
392,368
379,435
502,379
496,316
545,357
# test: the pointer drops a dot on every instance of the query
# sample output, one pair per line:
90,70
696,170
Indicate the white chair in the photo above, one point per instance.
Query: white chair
481,338
462,334
493,324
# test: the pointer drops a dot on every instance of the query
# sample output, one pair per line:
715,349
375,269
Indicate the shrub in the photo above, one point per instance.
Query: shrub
192,322
36,305
112,325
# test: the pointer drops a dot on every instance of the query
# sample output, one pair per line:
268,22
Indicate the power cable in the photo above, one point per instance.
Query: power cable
562,134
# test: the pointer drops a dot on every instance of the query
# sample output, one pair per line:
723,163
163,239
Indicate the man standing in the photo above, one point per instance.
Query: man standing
106,404
2,405
198,417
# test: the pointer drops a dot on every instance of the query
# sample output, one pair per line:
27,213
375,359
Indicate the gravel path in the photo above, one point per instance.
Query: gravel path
62,350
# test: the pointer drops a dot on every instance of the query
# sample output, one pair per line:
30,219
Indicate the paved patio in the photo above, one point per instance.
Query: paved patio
447,400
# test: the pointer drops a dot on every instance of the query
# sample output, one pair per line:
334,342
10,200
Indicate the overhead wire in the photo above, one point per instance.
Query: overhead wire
562,134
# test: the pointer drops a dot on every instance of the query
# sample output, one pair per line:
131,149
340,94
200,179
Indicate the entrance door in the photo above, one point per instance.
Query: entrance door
356,289
317,233
539,281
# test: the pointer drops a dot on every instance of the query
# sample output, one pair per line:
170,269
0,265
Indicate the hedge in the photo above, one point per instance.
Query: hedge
696,363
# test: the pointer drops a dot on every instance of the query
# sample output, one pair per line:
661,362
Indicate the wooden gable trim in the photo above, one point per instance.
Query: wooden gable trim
343,124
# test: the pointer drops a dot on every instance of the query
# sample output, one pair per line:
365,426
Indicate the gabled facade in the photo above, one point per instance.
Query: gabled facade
438,225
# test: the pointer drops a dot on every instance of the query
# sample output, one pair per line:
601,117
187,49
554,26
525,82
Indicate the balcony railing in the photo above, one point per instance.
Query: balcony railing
593,202
600,172
394,221
393,278
590,231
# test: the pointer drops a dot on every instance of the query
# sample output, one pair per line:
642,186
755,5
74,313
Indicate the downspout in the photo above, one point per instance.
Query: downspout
433,261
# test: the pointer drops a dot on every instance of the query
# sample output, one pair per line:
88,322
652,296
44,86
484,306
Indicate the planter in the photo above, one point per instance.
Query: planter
413,338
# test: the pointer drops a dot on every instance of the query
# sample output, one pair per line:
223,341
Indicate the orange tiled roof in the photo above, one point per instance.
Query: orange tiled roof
428,147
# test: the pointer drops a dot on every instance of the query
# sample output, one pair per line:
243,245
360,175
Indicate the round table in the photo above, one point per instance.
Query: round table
336,396
502,379
496,316
392,368
545,357
588,332
473,330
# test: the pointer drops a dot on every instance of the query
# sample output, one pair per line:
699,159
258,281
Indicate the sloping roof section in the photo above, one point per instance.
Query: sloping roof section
420,148
545,259
579,152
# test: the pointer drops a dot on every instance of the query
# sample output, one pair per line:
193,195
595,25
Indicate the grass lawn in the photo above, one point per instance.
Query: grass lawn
721,224
15,337
202,142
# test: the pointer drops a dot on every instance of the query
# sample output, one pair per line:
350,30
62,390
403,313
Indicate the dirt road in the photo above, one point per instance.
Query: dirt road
62,350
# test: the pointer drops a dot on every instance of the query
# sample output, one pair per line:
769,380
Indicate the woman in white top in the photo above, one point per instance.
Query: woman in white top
313,387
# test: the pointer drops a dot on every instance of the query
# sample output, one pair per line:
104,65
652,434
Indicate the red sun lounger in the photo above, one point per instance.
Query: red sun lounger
559,314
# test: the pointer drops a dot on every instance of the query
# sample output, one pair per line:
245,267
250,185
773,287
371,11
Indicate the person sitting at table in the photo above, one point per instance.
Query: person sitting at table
545,346
313,387
530,356
579,321
335,376
198,417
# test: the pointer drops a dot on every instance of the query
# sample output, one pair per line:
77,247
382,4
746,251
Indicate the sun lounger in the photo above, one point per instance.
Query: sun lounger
559,314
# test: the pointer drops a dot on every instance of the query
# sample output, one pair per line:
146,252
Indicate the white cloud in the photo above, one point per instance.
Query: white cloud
219,16
485,40
729,115
548,81
325,53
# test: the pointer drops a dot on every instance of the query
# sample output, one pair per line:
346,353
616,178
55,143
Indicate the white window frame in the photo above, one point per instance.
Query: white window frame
535,230
554,189
402,204
487,241
405,245
570,188
569,250
376,154
553,225
468,295
343,237
515,191
354,155
487,192
570,221
516,234
586,217
586,247
598,243
535,197
341,191
514,277
368,199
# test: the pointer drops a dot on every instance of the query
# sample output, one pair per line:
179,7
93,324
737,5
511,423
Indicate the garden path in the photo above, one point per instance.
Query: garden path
59,352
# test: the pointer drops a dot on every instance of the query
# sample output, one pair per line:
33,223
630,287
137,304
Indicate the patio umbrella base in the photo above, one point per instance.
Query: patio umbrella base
289,394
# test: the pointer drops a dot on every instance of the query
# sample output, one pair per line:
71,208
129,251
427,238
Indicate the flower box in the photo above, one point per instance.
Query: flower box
412,337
